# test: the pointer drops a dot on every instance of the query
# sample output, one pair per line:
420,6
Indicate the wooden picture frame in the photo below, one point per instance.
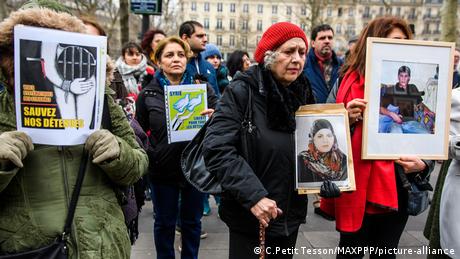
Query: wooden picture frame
322,153
408,89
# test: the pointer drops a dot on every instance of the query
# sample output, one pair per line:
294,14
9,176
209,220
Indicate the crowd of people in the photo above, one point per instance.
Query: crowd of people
132,149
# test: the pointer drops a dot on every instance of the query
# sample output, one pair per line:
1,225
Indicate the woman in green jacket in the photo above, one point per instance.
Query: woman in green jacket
36,182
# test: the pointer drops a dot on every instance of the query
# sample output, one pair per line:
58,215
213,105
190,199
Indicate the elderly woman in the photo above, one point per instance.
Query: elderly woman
259,188
165,173
323,160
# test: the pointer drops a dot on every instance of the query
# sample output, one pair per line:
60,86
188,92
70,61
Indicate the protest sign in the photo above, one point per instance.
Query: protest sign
184,103
59,84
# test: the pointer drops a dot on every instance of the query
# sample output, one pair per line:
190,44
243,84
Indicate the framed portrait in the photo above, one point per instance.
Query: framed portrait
323,148
408,89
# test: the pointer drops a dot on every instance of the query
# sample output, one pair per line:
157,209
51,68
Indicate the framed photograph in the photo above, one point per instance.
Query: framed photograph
323,148
408,89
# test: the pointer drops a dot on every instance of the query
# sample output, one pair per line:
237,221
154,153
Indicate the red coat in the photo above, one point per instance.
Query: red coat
375,179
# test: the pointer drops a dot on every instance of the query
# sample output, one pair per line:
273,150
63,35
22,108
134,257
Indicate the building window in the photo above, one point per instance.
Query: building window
206,23
259,25
339,12
274,9
232,8
258,39
426,28
288,10
412,14
232,40
338,28
245,25
219,7
206,6
398,11
329,11
351,12
244,41
381,11
367,12
193,6
219,40
350,29
389,10
245,8
260,8
232,24
219,24
303,10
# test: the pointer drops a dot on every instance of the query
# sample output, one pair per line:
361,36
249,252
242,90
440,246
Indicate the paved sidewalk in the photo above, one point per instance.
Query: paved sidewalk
317,233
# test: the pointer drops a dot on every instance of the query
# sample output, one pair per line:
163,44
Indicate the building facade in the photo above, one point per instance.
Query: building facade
239,24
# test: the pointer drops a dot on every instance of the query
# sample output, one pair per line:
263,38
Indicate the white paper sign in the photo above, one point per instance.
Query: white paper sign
59,84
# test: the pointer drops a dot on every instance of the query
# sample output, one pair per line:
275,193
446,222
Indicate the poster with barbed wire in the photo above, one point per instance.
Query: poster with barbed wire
184,105
59,84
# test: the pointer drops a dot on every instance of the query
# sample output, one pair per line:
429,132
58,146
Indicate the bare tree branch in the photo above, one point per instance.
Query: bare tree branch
312,9
169,19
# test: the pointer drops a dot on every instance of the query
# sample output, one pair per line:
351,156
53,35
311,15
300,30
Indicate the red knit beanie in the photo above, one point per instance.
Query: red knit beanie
275,36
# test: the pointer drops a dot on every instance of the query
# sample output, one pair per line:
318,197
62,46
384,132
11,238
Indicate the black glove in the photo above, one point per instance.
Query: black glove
329,190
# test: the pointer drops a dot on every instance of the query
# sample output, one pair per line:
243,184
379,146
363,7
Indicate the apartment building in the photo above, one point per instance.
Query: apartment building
239,24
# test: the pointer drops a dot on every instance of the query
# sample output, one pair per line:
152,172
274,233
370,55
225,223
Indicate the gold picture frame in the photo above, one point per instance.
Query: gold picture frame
323,148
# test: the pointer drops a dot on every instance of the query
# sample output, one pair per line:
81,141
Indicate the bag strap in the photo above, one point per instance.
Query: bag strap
75,194
106,122
247,121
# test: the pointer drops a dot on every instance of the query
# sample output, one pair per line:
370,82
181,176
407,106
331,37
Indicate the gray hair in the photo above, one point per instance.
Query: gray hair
270,58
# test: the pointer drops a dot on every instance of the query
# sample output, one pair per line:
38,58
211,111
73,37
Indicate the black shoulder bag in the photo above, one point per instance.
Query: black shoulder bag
192,161
58,249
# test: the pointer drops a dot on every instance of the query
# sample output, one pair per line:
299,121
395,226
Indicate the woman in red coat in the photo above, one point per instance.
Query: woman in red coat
375,214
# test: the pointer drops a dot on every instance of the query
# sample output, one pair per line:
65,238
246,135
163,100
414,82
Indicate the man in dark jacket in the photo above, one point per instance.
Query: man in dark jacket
322,67
194,34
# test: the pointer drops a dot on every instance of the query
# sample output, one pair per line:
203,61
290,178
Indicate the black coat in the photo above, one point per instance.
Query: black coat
164,158
271,170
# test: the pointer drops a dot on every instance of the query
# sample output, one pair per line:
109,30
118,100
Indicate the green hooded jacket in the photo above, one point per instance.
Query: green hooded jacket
34,199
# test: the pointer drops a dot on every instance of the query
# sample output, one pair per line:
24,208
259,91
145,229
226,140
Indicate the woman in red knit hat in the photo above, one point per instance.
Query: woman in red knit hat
374,215
259,185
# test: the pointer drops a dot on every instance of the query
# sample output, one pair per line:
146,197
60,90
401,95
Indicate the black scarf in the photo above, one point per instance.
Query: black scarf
282,102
